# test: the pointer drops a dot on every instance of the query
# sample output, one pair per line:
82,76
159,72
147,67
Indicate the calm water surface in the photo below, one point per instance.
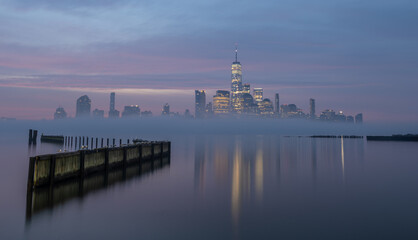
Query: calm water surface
226,187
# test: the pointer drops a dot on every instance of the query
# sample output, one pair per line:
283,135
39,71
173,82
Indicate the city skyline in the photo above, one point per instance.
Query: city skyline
362,60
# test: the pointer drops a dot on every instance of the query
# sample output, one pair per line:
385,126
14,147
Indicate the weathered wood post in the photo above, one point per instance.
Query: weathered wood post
120,142
82,156
75,143
91,145
97,141
31,172
52,170
83,140
140,153
113,145
107,145
30,136
125,157
127,141
102,143
34,136
87,142
106,161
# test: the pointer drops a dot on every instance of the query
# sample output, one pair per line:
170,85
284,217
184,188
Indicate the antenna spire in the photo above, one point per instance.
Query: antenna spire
236,52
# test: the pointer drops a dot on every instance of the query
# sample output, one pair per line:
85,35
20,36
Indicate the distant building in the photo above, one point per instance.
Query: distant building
83,107
246,88
291,111
312,108
146,114
236,85
200,103
60,113
249,106
113,113
131,111
98,113
350,119
209,110
266,108
258,94
221,102
359,118
327,115
277,104
166,110
340,117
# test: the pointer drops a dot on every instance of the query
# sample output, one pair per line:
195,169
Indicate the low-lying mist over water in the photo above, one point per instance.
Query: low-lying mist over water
150,127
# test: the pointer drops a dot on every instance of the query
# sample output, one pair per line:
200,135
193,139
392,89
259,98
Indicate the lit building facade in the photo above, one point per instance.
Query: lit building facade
83,107
258,94
236,85
246,88
266,108
221,102
200,103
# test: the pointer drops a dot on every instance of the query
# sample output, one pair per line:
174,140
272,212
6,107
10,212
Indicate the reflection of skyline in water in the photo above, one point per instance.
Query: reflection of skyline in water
245,164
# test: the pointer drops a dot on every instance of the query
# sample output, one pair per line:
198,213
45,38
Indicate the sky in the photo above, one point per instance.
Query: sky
355,56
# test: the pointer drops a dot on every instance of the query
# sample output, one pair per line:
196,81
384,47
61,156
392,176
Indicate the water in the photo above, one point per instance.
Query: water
224,186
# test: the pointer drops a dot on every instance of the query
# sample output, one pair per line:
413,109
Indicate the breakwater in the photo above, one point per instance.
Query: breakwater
52,168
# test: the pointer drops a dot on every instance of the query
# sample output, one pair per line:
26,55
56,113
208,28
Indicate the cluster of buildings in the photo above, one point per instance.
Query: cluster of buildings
238,102
83,110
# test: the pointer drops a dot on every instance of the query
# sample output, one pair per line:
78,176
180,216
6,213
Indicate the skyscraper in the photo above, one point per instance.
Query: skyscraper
258,94
236,85
221,102
112,101
113,113
83,107
200,103
312,108
276,104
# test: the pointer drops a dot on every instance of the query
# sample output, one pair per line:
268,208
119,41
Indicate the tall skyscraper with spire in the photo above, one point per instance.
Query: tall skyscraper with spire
236,85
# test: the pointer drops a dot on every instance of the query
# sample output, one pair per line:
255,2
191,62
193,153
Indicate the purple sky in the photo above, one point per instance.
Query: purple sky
355,56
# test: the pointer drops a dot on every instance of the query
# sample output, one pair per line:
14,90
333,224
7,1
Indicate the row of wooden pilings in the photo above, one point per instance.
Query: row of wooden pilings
79,142
47,169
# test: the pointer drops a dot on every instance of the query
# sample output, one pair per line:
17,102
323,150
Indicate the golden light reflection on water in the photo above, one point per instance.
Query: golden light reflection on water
342,155
259,177
236,183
